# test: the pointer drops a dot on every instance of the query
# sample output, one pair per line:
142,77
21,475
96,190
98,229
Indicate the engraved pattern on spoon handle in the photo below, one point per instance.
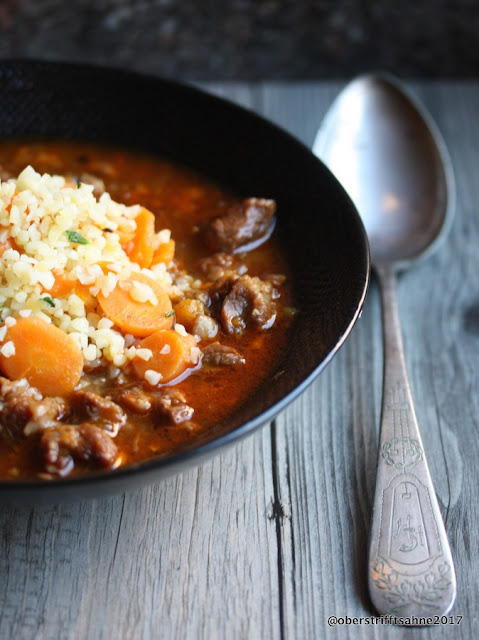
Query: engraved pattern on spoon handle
411,572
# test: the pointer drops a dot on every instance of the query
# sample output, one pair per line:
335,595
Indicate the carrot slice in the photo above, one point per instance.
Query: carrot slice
172,355
140,248
46,356
62,285
83,291
125,237
165,252
138,318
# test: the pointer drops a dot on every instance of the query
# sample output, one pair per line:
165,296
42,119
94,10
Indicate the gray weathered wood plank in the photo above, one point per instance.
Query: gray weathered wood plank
190,558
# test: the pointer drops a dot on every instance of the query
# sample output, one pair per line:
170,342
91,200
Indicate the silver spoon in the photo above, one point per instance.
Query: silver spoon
389,156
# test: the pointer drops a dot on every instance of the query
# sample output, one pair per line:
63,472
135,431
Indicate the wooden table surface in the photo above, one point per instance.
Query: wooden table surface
269,539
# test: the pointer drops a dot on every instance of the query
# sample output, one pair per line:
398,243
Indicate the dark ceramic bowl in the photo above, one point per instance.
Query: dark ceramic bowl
319,228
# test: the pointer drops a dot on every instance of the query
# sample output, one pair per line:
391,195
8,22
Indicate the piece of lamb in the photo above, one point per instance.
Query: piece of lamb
66,444
171,405
241,299
134,399
245,223
90,406
218,354
23,410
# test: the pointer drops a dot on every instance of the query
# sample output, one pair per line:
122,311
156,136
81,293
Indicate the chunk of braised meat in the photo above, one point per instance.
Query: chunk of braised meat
90,406
220,264
24,410
171,405
135,400
218,354
246,222
242,299
64,445
220,289
249,298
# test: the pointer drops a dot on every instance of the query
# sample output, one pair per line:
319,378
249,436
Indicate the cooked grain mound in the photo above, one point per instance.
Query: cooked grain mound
50,225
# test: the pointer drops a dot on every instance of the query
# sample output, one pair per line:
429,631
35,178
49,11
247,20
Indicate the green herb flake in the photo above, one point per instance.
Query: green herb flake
49,300
78,184
168,314
75,236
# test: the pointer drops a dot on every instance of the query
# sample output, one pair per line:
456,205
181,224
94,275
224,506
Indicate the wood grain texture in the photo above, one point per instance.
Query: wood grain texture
270,538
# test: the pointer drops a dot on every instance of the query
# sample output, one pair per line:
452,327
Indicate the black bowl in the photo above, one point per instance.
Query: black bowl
321,232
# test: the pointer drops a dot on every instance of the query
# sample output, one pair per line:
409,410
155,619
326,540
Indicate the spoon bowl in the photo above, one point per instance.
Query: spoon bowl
388,153
390,157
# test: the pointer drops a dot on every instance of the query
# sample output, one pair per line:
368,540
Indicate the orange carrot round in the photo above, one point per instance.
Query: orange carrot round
172,355
46,356
140,248
138,318
164,252
62,286
83,291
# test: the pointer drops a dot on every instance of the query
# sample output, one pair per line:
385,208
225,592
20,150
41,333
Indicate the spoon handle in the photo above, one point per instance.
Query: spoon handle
411,572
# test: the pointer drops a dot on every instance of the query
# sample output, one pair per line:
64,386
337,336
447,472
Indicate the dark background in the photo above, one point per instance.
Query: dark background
248,39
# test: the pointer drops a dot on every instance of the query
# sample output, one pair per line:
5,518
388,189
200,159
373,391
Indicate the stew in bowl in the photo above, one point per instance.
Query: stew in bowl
175,271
